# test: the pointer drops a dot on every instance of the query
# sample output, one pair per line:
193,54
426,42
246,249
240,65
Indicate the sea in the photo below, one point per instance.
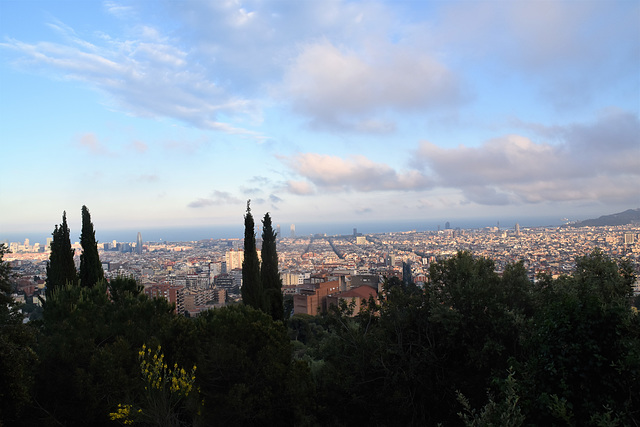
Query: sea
188,234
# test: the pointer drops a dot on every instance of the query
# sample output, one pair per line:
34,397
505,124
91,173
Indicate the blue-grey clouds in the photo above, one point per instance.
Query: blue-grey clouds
592,161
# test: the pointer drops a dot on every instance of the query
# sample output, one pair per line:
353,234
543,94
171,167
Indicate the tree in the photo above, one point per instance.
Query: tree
6,302
17,357
477,317
88,348
269,274
61,268
252,293
582,354
90,267
246,370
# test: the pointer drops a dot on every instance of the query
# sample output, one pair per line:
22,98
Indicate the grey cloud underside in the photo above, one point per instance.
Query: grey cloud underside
355,174
596,161
593,161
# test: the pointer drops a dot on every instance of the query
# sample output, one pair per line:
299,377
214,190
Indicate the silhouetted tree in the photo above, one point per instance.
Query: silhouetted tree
582,356
252,293
17,357
61,268
90,267
271,282
88,348
246,371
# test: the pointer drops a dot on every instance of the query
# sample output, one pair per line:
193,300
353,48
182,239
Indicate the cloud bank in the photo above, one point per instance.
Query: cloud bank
598,161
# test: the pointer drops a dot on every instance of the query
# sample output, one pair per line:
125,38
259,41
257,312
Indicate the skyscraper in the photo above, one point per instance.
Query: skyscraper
628,238
293,230
517,229
139,244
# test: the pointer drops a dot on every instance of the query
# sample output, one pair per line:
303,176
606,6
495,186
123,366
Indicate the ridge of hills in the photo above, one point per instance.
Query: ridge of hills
630,216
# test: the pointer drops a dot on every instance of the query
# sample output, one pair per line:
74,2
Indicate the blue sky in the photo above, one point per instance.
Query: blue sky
170,114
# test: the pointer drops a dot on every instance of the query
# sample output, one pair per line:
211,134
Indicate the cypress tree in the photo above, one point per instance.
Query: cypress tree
271,282
251,290
61,268
90,267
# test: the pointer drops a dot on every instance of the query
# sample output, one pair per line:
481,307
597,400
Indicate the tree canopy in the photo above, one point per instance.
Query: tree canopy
252,291
269,273
61,268
17,357
90,267
471,347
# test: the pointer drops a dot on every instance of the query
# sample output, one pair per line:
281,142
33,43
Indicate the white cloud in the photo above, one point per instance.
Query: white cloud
150,76
341,87
594,161
299,187
218,198
117,9
358,173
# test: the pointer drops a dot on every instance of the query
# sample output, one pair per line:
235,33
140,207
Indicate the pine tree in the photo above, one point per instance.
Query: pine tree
252,293
90,267
271,282
61,268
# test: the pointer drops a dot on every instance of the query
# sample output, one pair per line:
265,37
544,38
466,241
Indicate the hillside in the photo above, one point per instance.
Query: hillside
630,216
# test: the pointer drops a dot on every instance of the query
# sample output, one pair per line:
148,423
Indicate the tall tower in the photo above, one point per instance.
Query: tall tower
139,244
517,229
293,230
279,235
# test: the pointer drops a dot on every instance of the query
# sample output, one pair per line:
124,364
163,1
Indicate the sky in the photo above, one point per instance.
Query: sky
175,113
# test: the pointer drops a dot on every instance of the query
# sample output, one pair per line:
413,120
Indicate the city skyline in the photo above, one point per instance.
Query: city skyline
165,114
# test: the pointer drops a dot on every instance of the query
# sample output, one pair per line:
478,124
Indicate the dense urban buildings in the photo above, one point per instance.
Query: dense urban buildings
318,269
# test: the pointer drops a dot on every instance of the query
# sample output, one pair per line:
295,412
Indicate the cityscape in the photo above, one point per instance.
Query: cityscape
421,243
199,275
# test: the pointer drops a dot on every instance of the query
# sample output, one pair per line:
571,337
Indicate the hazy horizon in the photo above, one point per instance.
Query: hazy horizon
236,231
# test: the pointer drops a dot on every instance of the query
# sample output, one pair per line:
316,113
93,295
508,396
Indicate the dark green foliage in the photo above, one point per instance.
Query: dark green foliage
6,302
478,317
61,268
122,288
269,274
505,412
17,357
246,371
88,348
470,348
252,291
611,281
582,356
90,266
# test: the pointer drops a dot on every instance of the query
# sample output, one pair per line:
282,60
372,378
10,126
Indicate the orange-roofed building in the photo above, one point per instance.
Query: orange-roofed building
359,296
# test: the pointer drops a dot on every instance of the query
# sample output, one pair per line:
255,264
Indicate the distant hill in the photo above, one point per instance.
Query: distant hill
630,216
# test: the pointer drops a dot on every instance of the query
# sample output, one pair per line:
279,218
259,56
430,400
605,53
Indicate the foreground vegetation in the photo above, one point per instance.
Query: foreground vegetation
471,348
